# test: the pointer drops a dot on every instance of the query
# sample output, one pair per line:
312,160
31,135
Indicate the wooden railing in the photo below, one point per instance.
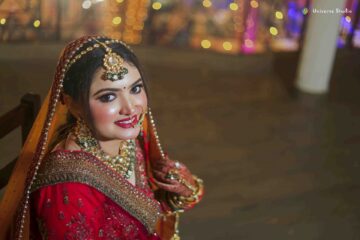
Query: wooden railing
21,116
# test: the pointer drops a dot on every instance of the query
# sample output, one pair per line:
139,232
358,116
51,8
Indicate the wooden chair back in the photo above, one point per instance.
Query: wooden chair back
21,116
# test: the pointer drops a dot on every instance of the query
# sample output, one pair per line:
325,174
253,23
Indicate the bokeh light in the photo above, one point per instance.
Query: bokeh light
279,15
201,24
273,31
227,46
233,6
254,4
249,43
156,5
36,23
86,4
116,20
205,44
207,3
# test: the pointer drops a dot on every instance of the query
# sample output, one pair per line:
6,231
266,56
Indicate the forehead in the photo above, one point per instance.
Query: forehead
98,81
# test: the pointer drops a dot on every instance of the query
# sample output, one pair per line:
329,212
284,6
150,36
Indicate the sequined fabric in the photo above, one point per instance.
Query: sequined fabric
77,211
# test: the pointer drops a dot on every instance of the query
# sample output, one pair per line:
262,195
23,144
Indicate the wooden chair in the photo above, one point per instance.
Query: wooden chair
21,116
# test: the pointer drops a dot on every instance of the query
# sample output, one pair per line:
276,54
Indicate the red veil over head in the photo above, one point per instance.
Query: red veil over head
14,207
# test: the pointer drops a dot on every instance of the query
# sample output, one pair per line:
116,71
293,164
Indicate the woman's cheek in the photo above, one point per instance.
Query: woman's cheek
104,113
141,101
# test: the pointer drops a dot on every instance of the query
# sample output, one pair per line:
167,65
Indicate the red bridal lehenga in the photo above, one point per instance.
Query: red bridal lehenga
86,199
61,194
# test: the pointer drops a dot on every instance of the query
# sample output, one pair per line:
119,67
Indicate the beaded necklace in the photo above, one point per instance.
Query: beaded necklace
123,163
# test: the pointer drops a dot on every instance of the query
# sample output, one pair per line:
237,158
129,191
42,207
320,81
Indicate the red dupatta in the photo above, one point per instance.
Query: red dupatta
14,207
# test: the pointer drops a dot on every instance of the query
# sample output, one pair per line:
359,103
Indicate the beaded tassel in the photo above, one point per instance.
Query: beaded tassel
155,133
176,235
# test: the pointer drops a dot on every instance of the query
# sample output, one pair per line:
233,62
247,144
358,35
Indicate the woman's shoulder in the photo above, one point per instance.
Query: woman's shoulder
63,166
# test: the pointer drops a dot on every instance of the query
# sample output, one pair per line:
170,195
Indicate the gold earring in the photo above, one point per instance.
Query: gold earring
140,122
83,135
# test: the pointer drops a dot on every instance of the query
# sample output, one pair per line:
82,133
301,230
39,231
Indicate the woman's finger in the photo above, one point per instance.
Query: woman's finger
166,186
179,189
162,176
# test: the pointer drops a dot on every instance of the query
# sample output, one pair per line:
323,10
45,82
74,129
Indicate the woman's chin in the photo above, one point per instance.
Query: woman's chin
129,134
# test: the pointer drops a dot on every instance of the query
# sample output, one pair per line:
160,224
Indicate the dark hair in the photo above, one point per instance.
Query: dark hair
78,78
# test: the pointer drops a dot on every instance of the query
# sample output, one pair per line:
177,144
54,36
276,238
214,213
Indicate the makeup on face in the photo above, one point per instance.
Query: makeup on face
117,106
129,122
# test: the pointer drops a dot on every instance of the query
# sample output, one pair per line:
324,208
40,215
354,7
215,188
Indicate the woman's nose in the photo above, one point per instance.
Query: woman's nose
127,107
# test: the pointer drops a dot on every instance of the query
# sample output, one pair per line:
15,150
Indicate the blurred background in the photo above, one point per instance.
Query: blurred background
226,26
258,98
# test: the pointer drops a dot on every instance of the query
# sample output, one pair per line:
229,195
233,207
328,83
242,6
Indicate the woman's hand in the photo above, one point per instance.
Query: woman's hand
173,176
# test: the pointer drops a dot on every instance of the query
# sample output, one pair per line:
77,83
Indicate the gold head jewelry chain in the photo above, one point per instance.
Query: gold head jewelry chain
123,163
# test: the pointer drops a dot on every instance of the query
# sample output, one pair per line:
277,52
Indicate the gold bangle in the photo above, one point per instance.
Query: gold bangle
194,197
178,202
188,185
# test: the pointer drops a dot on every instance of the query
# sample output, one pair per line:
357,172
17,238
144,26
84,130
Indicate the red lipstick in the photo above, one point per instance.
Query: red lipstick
129,122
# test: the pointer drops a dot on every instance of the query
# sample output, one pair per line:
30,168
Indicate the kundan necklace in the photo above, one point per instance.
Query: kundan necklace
123,163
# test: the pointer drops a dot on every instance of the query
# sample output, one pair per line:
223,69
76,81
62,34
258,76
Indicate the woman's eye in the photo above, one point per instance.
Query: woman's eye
107,98
136,89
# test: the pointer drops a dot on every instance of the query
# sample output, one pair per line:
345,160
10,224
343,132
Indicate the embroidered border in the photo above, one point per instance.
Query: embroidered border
67,166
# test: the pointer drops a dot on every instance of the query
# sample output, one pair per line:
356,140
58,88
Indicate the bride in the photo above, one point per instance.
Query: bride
92,166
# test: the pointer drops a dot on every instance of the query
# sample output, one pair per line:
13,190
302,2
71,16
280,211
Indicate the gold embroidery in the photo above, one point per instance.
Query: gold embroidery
66,200
66,166
101,233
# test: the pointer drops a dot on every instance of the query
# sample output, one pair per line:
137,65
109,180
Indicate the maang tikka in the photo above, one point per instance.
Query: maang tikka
113,64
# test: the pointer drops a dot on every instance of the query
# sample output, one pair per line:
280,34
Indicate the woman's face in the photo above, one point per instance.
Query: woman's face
116,106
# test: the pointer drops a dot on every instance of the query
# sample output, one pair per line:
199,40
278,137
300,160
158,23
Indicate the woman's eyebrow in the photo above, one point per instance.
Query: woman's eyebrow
106,89
115,89
136,82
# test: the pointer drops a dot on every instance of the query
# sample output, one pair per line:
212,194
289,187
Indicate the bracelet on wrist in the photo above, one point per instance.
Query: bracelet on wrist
178,202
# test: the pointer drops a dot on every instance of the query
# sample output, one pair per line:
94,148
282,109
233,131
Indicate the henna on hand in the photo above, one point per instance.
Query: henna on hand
161,170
